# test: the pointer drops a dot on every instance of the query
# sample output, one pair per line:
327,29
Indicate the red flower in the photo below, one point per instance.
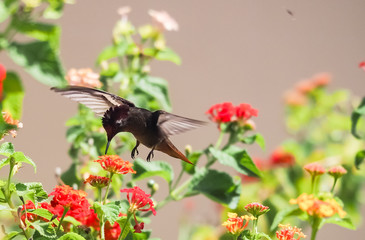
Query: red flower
314,169
244,111
2,78
97,181
75,200
256,209
33,217
138,200
282,158
114,164
112,232
222,112
138,227
287,232
362,65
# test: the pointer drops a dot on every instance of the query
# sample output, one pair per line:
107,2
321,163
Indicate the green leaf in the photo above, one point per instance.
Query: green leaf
44,229
157,88
7,149
236,158
142,236
166,54
193,157
218,186
343,222
4,13
123,222
39,60
110,210
31,191
258,138
107,53
149,169
355,117
54,10
282,214
71,236
13,95
20,157
38,30
11,235
359,158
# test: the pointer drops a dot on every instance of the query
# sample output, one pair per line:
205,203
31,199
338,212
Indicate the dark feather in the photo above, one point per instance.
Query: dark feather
172,124
98,101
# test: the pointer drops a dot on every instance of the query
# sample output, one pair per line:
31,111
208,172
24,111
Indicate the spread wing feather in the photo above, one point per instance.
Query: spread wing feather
98,101
173,124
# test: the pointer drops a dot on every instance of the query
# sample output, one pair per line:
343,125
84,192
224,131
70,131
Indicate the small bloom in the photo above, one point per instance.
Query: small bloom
314,169
31,206
235,224
295,98
8,119
2,73
123,11
222,112
138,200
288,232
305,86
97,181
282,158
245,111
138,227
114,164
164,20
321,79
337,171
256,209
83,77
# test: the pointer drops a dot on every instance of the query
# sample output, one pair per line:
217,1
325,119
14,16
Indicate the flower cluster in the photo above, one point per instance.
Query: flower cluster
281,158
337,171
227,112
235,224
299,95
288,232
256,209
97,181
314,169
84,77
317,207
73,201
115,165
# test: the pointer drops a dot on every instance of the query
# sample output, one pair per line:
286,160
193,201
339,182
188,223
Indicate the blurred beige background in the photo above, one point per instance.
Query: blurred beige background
237,50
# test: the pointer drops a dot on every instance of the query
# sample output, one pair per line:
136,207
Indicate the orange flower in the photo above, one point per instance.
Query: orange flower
319,208
8,119
294,98
235,224
288,232
84,77
321,79
282,158
97,181
305,86
114,164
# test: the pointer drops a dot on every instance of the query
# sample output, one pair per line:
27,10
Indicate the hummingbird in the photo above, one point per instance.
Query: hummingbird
152,129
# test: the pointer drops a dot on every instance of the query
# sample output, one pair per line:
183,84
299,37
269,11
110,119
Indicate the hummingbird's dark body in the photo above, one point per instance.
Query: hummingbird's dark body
119,115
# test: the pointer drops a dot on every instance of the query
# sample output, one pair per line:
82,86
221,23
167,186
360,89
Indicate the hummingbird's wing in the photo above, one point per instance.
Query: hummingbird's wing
98,101
173,124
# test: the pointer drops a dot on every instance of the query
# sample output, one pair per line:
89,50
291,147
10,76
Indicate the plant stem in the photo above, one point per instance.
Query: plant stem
107,188
100,193
102,225
220,139
125,224
7,192
178,179
334,184
313,183
65,210
315,225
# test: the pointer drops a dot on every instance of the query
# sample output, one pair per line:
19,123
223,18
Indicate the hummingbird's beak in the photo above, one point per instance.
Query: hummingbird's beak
107,146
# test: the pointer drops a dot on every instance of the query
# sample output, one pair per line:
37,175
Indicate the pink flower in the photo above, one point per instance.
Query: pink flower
256,209
337,171
314,169
362,65
84,77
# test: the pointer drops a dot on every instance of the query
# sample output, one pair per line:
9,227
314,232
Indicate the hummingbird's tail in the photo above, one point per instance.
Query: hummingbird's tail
167,147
